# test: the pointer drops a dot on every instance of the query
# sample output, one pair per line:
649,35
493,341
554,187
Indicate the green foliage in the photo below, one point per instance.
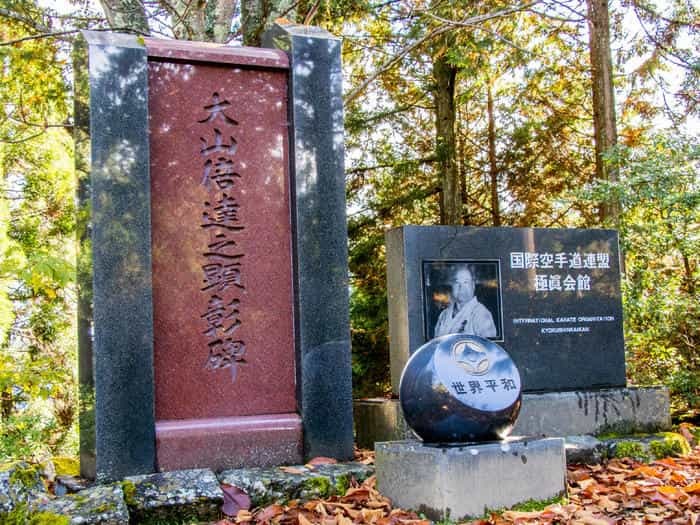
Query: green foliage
37,218
659,229
24,435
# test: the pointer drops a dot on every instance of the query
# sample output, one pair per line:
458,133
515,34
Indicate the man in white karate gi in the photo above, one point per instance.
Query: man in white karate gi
465,314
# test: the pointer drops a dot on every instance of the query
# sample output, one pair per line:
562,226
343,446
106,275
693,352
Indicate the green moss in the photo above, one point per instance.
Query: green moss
320,486
66,466
129,490
17,516
25,476
48,518
537,505
672,445
631,449
20,515
531,505
342,484
623,429
105,507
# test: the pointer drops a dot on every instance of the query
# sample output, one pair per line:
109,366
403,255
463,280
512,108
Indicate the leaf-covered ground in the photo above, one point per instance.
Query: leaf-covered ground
621,491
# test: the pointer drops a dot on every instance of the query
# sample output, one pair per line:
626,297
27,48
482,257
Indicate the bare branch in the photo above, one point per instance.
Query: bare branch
406,162
395,60
6,13
68,32
38,36
473,21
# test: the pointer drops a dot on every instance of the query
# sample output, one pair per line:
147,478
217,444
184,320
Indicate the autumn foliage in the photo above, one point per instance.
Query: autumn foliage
621,491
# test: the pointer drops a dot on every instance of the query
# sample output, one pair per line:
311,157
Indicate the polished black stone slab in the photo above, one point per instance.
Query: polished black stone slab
553,295
320,237
117,331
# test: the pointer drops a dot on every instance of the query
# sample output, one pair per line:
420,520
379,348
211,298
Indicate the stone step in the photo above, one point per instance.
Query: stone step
169,495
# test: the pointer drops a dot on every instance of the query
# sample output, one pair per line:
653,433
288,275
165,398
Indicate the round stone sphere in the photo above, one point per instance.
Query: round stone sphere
460,388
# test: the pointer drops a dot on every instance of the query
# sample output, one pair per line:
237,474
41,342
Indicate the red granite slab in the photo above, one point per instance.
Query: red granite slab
221,242
224,443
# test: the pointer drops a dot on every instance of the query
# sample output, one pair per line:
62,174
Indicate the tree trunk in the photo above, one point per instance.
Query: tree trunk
604,128
258,15
493,166
208,21
125,15
445,145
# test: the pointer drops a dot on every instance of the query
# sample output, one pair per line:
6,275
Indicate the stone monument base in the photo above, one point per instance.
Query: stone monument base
457,482
229,442
551,414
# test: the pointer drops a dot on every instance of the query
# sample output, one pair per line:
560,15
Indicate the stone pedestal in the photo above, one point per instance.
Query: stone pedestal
464,481
214,325
623,410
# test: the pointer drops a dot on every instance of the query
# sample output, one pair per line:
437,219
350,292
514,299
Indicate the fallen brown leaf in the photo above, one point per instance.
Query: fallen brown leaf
303,520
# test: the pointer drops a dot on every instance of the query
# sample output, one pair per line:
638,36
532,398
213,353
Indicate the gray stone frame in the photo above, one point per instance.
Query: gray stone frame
320,237
115,209
115,292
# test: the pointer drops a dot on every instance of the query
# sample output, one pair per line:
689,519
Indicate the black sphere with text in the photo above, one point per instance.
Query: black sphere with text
460,388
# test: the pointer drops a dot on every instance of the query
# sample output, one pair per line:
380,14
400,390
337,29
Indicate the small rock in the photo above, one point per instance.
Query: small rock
98,505
69,485
171,495
584,449
20,483
279,485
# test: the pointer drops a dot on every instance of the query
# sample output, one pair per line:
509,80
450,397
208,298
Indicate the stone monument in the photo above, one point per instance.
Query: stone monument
550,297
213,283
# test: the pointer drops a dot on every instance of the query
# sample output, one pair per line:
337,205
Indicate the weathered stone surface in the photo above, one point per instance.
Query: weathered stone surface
621,410
98,505
552,414
275,485
195,493
463,481
585,449
19,483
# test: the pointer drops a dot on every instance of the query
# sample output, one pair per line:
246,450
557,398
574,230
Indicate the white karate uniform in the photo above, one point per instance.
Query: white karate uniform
472,319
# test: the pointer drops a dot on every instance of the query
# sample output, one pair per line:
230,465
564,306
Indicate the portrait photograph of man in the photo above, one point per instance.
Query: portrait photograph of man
462,297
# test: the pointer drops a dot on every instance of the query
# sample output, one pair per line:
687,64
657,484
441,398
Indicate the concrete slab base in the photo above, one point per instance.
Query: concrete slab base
551,414
464,481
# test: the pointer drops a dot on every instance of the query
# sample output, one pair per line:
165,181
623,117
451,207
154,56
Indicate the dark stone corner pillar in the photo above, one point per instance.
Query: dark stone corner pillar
320,237
114,267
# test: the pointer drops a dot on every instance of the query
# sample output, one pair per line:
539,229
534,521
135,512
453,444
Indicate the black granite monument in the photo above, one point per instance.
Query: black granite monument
550,297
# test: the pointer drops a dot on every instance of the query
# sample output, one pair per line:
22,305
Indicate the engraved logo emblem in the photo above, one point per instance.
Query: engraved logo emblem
471,356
